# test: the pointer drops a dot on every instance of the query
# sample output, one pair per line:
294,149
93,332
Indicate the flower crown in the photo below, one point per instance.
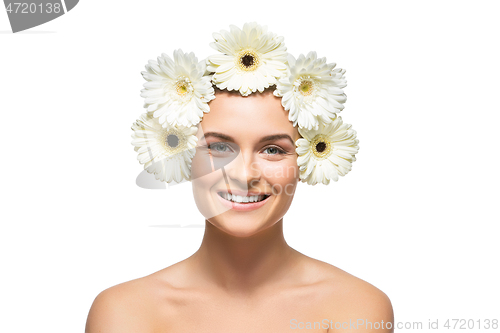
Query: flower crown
178,90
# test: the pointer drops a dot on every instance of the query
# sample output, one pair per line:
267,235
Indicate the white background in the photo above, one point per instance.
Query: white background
417,217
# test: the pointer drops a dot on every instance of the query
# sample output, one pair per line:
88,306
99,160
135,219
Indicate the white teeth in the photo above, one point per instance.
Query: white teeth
239,198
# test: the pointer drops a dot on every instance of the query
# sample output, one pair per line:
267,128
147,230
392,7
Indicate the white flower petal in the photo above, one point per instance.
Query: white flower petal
164,158
177,87
251,59
316,90
333,158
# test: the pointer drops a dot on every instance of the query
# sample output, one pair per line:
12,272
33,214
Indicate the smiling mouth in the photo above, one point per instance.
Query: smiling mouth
242,199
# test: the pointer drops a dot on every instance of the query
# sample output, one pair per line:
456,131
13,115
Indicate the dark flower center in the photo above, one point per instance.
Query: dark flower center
247,60
320,147
172,140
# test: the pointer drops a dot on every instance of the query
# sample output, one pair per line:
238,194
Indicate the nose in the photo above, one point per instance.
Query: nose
243,171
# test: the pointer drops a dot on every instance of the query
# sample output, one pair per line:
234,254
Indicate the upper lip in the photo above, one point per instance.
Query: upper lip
242,193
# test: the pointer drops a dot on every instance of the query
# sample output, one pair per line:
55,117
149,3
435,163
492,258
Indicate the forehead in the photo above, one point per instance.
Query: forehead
248,118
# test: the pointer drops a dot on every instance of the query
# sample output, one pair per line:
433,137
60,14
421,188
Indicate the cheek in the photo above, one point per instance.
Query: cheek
283,177
201,165
204,164
202,179
203,196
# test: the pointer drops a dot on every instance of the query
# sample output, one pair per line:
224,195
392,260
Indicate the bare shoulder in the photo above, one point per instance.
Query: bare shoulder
128,307
116,309
349,299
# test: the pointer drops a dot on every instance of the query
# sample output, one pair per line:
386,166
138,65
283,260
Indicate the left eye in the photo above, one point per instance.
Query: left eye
274,151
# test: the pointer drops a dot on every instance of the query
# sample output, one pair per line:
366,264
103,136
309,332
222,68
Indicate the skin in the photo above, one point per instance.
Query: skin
244,277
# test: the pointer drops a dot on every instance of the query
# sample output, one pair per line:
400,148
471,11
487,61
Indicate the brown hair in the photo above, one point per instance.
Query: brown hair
237,92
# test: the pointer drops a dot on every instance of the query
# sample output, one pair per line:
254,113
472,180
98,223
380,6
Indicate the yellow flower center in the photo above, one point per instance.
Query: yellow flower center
181,89
247,60
321,146
306,88
183,86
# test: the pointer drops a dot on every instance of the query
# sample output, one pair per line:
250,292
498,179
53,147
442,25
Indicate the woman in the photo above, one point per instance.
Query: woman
244,277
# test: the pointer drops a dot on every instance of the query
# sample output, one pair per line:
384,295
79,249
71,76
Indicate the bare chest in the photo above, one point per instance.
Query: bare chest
275,314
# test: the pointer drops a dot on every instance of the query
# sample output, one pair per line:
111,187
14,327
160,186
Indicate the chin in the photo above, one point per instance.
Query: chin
239,225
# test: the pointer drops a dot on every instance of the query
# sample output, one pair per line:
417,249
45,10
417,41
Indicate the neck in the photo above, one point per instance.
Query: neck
244,264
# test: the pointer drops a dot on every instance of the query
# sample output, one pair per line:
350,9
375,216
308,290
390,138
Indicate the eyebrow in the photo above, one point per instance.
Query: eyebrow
263,139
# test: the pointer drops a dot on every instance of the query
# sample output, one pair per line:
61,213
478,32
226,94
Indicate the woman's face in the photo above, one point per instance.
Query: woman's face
246,147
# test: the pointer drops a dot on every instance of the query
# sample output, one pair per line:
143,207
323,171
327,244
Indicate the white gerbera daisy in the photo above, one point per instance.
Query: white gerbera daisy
312,91
252,59
166,152
326,153
177,91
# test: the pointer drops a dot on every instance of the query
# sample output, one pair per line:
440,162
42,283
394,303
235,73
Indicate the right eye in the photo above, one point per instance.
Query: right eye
219,148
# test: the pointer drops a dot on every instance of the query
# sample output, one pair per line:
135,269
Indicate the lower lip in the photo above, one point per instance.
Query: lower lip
242,206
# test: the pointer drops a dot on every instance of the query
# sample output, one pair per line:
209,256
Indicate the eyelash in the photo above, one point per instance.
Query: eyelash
213,145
